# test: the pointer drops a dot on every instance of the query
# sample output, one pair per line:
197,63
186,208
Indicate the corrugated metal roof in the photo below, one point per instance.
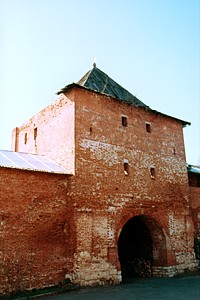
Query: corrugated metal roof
30,162
99,82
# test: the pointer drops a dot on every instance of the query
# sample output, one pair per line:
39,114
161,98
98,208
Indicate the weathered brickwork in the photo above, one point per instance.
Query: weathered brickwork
129,168
101,187
195,207
35,249
194,182
49,133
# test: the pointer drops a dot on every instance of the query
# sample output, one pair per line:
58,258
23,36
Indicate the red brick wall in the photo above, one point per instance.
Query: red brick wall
35,249
102,197
49,133
103,151
195,208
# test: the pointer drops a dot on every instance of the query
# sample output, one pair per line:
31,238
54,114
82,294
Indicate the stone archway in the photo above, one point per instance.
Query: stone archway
141,247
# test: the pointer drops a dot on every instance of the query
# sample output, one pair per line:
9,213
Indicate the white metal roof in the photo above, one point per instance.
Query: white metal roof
31,162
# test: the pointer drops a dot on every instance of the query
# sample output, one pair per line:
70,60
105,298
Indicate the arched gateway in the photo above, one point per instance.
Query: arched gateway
141,247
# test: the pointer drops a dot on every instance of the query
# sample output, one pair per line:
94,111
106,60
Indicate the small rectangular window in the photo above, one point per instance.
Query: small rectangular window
126,167
148,127
153,173
35,133
124,121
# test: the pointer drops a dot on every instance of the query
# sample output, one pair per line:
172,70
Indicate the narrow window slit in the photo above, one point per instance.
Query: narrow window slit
126,167
124,121
35,133
152,172
25,138
148,127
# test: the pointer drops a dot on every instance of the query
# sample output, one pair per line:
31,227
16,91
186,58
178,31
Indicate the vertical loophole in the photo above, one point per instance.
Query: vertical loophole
153,173
124,121
25,138
126,168
35,133
148,127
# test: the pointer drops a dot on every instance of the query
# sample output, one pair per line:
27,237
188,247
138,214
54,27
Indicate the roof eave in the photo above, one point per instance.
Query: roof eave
72,85
37,170
193,169
184,123
67,88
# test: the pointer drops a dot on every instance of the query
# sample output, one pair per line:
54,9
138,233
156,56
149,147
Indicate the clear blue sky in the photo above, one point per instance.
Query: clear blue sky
151,47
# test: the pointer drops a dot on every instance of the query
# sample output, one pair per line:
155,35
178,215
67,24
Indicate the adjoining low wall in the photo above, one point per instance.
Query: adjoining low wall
34,230
195,211
45,238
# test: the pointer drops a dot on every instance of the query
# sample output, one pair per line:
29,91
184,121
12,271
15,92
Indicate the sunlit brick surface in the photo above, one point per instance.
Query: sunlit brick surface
56,227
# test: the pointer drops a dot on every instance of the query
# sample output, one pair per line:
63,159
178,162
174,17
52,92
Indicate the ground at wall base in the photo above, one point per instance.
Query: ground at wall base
67,286
35,294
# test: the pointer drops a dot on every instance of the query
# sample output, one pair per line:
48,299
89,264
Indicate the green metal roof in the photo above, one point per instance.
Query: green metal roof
98,81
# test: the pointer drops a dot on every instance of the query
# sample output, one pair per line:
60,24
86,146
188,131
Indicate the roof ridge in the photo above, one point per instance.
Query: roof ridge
100,82
22,152
84,79
103,83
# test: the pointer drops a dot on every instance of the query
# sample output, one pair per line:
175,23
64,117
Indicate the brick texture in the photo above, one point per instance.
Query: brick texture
34,246
195,208
50,133
121,170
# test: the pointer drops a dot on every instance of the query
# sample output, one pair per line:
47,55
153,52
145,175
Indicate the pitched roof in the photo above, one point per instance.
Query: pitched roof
30,162
97,81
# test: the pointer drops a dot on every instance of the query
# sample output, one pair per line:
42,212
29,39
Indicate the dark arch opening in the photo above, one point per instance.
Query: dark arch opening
139,240
135,249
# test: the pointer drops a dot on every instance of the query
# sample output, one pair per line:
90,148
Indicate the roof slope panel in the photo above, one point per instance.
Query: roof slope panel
98,81
31,162
101,82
